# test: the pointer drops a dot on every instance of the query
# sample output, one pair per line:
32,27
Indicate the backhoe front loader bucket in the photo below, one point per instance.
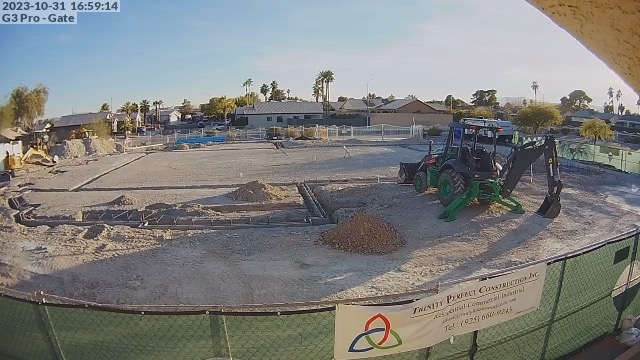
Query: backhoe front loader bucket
407,172
550,208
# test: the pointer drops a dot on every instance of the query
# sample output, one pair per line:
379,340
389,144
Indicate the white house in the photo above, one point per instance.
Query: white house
169,116
275,113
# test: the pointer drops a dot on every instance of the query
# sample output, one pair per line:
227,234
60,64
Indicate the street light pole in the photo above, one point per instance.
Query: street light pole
368,111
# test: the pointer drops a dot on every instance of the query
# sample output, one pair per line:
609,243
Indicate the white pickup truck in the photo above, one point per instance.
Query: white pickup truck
506,135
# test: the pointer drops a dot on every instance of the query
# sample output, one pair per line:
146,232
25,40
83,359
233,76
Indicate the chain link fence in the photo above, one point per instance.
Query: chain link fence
586,295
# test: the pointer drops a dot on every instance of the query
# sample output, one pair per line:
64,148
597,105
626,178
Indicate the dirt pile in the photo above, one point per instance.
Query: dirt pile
80,147
95,232
99,146
125,200
364,234
181,147
257,191
69,149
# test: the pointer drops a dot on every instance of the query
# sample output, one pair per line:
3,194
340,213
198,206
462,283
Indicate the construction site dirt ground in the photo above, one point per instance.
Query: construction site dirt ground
125,265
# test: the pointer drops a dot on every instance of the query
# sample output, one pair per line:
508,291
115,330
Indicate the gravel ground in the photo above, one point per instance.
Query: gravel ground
135,266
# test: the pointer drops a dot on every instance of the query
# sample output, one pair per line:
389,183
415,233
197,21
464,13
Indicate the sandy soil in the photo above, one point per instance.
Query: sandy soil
136,266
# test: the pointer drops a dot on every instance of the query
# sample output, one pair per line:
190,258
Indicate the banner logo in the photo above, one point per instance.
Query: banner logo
368,331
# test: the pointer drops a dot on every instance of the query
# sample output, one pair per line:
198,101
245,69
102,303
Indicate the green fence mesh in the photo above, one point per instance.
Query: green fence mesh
579,305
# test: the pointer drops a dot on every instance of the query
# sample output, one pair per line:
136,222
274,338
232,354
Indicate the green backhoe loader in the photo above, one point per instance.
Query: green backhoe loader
463,172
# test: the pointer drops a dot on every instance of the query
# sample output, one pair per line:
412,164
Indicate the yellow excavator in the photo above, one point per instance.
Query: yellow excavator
38,147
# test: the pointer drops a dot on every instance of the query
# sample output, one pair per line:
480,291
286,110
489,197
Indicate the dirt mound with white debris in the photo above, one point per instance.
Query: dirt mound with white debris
124,200
364,234
257,191
181,147
95,232
75,148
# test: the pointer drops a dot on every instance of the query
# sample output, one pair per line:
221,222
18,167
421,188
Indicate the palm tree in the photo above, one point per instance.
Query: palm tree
247,88
638,104
128,108
610,93
158,105
328,78
535,87
264,90
618,97
144,109
288,93
317,91
274,89
320,80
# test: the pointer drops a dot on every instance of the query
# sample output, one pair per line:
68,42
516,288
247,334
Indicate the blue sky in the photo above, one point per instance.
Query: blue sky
195,48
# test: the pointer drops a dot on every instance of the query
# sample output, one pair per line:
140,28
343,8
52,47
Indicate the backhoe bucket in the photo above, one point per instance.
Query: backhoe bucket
407,172
550,208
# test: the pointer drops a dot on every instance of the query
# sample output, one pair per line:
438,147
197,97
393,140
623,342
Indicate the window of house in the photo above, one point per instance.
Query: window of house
307,116
296,117
269,118
280,119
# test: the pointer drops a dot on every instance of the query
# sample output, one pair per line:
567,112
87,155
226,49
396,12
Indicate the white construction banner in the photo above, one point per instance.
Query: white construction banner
369,331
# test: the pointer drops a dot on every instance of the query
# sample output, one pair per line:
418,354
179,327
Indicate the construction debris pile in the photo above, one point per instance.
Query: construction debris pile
364,234
125,200
257,191
80,147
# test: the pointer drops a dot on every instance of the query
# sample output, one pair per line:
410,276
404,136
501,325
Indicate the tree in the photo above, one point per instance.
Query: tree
144,109
638,105
411,97
596,129
485,98
451,102
288,93
279,95
127,108
610,93
607,108
627,112
104,107
577,100
535,87
186,108
618,97
28,105
264,90
342,98
7,118
249,99
524,102
320,84
274,88
621,108
370,96
157,104
537,116
224,106
316,90
247,89
329,77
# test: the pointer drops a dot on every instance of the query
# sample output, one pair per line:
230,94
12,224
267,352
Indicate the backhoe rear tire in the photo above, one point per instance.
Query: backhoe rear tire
450,186
420,182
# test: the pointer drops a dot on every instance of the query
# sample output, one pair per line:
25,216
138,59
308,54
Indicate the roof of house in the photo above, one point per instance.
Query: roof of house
12,133
397,104
276,107
81,119
437,106
590,114
355,104
632,118
42,125
336,104
133,116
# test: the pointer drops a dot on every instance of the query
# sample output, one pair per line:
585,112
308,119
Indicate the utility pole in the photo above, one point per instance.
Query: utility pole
368,111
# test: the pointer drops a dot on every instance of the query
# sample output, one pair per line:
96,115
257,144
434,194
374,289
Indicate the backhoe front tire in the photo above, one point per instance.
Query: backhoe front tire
420,182
450,186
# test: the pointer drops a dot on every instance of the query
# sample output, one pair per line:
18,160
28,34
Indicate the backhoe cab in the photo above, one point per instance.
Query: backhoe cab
463,172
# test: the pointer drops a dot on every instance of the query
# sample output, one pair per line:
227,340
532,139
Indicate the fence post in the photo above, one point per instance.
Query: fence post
545,344
382,131
46,326
474,345
634,253
352,132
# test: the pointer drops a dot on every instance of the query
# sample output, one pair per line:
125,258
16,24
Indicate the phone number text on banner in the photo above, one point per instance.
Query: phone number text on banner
369,331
